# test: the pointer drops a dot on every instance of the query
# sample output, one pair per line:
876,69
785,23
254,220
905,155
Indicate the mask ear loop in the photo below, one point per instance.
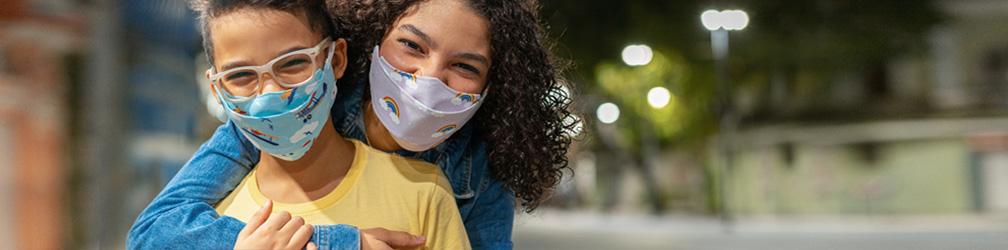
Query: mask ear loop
332,51
220,99
364,108
367,138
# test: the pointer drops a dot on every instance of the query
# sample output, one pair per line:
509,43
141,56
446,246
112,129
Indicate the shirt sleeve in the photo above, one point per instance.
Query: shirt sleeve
442,223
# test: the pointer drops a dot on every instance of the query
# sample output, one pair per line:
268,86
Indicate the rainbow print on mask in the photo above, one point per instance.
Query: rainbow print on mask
461,98
392,107
447,129
407,76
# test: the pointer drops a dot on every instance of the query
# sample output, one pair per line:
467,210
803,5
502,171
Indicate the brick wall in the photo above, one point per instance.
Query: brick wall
33,126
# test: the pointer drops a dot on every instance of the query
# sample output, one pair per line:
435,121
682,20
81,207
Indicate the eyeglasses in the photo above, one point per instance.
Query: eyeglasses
289,71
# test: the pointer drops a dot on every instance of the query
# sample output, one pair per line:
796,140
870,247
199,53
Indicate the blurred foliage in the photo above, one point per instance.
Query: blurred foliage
804,44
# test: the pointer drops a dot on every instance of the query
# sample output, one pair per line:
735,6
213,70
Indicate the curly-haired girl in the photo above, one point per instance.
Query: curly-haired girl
492,55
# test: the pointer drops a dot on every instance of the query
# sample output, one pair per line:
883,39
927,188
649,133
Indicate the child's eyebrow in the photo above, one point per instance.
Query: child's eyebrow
475,57
292,49
231,65
416,31
241,63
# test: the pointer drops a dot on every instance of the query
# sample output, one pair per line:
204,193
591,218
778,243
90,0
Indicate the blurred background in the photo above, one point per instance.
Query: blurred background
746,124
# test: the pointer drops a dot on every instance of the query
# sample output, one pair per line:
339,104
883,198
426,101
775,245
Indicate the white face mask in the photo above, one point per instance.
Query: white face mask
420,112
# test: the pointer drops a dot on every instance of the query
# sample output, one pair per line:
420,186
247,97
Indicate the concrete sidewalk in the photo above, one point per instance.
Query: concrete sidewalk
553,229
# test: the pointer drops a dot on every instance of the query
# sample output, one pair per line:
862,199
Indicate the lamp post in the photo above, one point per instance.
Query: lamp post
719,23
658,97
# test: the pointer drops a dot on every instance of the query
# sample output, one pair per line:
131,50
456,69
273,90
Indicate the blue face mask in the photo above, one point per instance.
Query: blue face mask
286,123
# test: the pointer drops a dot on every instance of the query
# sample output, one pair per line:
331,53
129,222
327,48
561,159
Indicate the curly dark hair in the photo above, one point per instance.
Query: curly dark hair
526,120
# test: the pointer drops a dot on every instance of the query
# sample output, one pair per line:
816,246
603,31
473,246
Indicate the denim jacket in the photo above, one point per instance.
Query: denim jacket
182,216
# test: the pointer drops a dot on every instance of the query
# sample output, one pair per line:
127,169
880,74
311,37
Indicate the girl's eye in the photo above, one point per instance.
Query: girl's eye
468,67
410,44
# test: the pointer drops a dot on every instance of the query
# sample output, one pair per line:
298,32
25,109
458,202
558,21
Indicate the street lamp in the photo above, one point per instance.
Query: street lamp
726,19
637,55
640,55
719,23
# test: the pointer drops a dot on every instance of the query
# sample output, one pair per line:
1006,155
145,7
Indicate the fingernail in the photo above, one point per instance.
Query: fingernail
421,238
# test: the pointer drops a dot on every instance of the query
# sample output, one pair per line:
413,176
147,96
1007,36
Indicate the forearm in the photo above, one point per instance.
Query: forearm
191,226
182,216
197,225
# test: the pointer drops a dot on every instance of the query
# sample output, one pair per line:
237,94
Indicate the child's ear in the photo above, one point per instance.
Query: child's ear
339,60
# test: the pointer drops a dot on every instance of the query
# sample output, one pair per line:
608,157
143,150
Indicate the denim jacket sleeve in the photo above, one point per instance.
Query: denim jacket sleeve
489,213
182,217
489,223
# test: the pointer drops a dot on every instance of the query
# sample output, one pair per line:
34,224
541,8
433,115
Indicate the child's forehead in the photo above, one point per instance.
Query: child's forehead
253,19
258,35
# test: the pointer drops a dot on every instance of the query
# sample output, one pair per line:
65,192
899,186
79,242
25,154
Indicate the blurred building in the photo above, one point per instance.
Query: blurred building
39,41
99,107
919,134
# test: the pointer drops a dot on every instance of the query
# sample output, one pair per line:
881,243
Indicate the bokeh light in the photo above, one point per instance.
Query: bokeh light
608,113
726,19
658,97
637,55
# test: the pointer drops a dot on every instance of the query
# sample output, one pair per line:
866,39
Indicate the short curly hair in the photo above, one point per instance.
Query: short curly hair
313,10
526,120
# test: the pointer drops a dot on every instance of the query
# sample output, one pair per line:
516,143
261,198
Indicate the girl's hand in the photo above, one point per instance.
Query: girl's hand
380,238
266,230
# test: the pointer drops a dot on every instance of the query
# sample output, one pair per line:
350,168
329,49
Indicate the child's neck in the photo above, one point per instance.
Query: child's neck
312,176
378,136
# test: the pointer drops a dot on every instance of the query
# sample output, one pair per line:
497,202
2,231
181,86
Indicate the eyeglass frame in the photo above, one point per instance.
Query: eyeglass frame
312,52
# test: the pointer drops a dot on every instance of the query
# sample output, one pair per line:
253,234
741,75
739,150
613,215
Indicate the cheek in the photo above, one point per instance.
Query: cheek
397,58
386,47
463,84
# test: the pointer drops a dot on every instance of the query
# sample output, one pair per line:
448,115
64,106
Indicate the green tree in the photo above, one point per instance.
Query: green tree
805,44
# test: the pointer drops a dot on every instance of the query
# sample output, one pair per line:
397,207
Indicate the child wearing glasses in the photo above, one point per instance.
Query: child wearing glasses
274,68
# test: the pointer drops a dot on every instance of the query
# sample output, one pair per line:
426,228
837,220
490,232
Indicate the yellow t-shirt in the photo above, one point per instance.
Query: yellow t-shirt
380,190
